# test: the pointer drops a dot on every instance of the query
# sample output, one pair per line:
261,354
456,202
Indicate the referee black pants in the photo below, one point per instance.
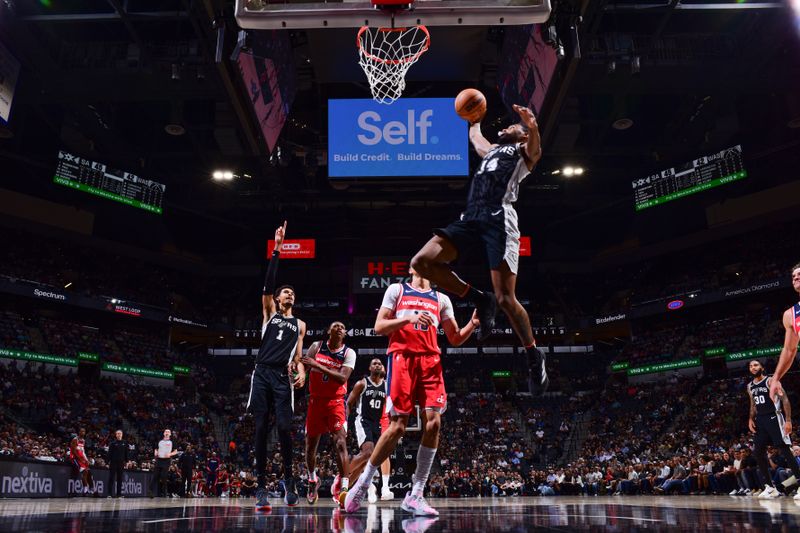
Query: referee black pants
115,474
186,483
160,477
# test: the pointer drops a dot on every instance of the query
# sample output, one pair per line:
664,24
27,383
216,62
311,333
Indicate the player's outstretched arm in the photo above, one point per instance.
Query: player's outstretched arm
533,146
267,300
457,336
479,142
787,357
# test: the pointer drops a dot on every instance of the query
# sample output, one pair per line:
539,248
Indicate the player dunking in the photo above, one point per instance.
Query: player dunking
791,323
489,221
77,451
770,427
410,315
368,399
270,386
330,364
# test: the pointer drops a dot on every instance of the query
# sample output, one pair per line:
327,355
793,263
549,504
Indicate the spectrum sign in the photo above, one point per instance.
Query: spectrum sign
412,137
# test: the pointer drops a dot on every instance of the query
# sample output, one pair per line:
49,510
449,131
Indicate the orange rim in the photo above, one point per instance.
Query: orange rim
394,61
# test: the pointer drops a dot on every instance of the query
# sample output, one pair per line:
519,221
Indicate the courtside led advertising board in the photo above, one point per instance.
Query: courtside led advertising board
411,137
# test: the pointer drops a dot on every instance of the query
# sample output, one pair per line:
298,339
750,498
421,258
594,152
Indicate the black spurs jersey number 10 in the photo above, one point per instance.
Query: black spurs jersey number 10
278,340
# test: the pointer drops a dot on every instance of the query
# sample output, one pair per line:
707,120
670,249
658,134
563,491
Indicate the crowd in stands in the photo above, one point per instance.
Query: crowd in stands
689,338
681,435
14,333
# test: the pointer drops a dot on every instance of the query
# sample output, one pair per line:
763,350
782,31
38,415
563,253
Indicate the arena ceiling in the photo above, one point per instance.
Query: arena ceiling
103,78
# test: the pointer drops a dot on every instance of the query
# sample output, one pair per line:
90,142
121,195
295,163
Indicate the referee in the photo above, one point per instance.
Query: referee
163,454
117,458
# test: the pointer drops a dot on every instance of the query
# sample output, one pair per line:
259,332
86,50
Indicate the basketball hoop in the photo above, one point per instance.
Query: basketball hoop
386,54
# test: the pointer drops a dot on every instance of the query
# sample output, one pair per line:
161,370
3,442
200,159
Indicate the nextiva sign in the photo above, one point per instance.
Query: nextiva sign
411,137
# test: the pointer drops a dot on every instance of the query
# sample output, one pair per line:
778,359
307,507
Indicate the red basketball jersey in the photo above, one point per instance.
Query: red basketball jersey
796,311
319,384
403,300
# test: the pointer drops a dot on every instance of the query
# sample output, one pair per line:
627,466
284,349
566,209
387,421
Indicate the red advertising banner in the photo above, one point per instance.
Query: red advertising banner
296,249
524,246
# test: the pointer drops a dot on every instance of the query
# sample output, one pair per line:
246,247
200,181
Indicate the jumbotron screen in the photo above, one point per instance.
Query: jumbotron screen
692,177
101,180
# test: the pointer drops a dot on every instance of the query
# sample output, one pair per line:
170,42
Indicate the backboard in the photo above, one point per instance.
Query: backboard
267,14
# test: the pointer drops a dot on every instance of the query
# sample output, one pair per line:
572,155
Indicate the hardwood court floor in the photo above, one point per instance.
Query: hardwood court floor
564,513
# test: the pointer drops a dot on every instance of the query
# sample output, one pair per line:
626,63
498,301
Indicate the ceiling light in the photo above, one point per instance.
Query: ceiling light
568,171
556,172
218,175
67,285
175,129
622,124
228,175
578,171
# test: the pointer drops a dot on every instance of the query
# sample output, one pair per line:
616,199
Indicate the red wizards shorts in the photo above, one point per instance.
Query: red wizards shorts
325,415
415,380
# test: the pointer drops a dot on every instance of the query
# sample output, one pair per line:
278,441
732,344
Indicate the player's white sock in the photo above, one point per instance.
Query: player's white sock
345,483
367,475
425,457
313,475
385,479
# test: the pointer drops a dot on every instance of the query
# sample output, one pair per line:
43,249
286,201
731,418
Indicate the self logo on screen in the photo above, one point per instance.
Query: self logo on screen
412,137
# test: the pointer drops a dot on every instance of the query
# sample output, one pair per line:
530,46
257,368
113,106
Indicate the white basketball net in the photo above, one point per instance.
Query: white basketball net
386,54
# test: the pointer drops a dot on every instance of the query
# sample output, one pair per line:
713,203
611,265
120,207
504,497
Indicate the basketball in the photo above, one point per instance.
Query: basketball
471,105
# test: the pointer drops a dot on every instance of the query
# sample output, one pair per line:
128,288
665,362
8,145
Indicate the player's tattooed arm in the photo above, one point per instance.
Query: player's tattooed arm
751,423
787,412
787,357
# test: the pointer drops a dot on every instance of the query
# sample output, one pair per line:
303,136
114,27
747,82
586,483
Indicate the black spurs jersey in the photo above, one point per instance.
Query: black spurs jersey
372,402
278,340
495,184
759,391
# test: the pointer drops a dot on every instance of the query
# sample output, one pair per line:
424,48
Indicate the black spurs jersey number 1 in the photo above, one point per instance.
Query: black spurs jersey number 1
373,400
759,390
278,340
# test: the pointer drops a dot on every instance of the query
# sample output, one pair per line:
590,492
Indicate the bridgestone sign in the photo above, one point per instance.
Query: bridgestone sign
19,479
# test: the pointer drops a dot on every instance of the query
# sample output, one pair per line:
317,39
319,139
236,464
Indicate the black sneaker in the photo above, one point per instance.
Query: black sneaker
538,382
290,496
487,309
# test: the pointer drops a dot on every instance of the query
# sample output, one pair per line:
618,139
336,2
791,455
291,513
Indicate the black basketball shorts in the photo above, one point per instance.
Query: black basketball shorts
496,233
